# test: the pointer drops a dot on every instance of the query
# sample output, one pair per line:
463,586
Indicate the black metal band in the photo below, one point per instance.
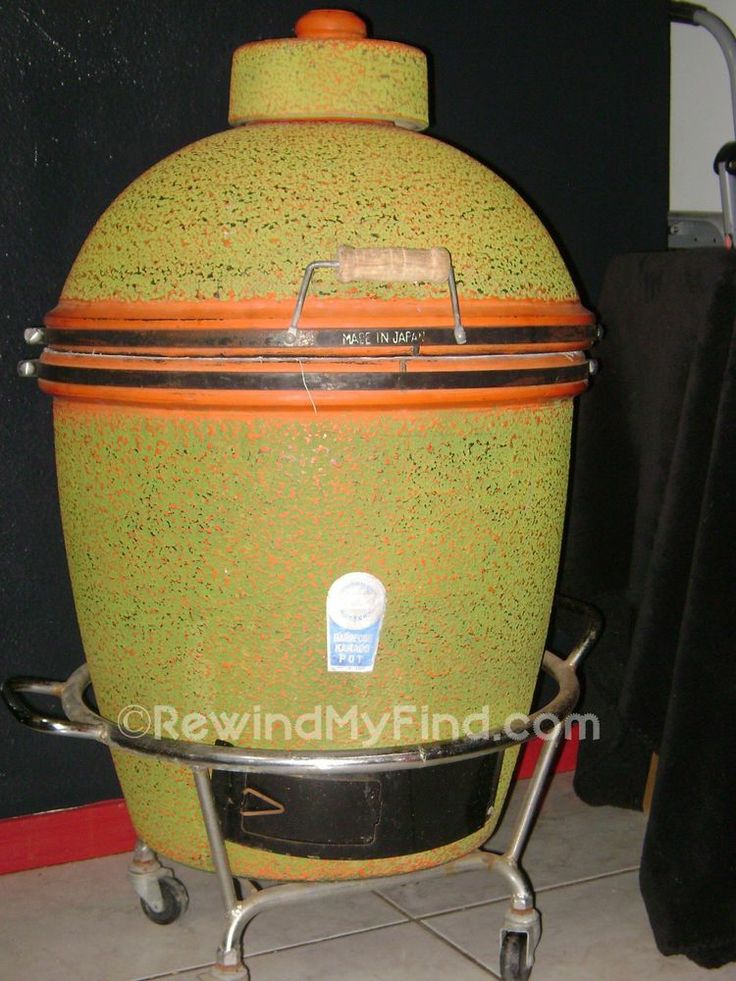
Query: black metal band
345,337
396,381
379,815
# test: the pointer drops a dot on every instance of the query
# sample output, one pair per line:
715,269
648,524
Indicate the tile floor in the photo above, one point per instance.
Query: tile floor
80,922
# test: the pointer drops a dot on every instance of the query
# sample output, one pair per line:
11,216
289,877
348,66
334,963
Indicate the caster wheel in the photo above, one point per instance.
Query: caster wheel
176,900
513,957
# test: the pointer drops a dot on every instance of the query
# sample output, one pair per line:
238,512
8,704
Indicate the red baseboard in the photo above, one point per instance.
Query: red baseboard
71,835
36,840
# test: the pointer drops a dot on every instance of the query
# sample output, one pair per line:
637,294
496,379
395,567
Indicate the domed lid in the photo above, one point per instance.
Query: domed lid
330,70
324,235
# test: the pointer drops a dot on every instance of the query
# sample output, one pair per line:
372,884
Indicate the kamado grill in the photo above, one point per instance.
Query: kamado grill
313,382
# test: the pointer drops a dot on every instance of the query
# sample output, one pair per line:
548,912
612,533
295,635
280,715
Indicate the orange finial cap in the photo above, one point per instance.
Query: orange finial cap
331,24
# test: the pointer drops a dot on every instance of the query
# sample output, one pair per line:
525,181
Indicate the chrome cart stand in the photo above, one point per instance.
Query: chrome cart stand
164,898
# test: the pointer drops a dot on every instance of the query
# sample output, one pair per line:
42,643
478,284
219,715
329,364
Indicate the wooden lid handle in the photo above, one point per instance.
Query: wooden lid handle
393,265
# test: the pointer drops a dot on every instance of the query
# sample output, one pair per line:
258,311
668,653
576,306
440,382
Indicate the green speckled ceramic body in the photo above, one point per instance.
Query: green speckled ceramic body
203,536
237,216
335,79
202,548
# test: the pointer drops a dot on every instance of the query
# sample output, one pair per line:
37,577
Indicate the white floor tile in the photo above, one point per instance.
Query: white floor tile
82,922
571,842
398,953
317,919
593,931
85,920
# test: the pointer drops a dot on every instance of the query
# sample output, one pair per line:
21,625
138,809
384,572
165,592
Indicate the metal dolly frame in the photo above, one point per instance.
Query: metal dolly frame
164,898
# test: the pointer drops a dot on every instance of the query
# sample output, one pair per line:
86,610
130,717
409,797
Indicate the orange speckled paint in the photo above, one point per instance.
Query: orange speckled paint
218,538
207,511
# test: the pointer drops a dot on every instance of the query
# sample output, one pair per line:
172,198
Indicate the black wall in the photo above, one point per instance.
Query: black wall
568,100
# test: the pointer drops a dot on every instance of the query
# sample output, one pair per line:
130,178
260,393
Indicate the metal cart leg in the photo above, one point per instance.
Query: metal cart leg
229,963
164,898
520,933
522,928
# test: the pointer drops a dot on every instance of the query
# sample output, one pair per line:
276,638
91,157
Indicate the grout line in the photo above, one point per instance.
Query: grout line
537,892
275,950
449,943
175,974
457,948
448,909
322,940
408,917
589,878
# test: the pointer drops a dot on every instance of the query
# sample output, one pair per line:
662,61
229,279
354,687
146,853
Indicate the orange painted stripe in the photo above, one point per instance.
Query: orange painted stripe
322,366
272,413
327,313
313,400
426,350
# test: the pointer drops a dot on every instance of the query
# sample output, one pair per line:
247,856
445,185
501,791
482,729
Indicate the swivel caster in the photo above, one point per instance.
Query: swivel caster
175,900
514,960
519,938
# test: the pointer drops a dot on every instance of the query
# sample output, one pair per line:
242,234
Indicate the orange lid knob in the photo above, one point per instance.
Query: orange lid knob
331,24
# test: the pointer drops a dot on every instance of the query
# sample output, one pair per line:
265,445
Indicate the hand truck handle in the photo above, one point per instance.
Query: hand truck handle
24,712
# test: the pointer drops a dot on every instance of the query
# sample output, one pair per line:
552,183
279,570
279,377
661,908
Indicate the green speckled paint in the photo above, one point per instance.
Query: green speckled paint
329,79
166,813
239,215
201,550
202,541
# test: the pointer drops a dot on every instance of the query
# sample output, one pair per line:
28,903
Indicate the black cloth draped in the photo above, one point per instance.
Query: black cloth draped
652,541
